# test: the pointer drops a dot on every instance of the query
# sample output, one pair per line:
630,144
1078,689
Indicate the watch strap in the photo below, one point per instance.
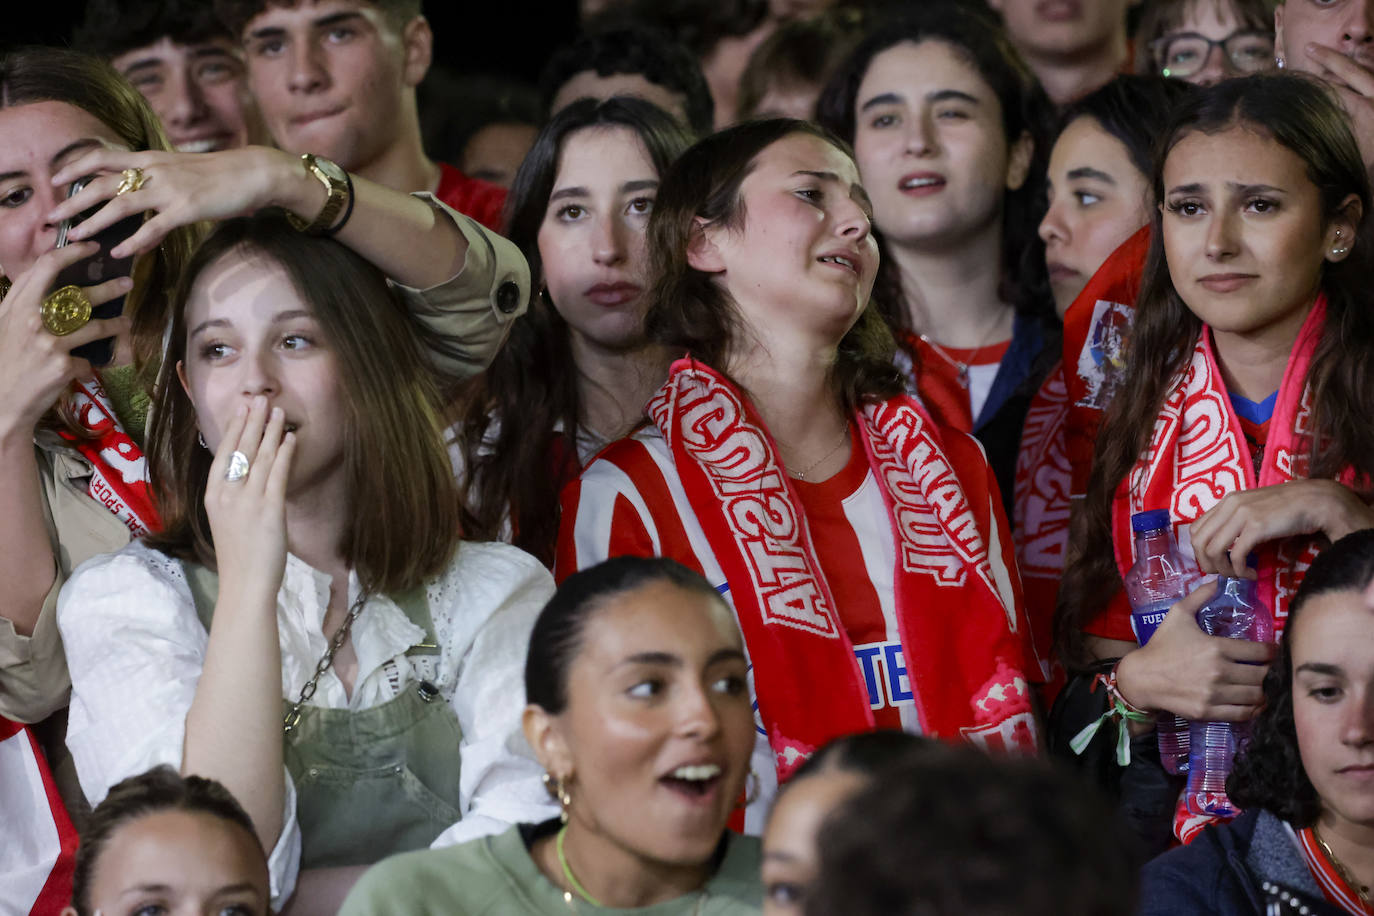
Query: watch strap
338,195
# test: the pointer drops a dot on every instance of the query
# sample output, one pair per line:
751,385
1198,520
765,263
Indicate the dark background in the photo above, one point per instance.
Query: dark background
503,37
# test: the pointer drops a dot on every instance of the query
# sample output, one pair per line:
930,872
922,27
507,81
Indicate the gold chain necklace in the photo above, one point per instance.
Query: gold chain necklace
1361,889
960,366
801,475
576,885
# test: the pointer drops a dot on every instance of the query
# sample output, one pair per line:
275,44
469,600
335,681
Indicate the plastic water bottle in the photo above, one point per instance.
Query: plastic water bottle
1235,612
1157,581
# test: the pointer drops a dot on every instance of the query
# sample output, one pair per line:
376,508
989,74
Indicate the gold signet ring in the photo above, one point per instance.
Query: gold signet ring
66,310
130,180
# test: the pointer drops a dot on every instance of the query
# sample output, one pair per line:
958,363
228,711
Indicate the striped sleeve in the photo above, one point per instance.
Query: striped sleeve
629,502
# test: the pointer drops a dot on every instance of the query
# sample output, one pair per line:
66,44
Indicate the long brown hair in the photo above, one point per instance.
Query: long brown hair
29,75
689,310
403,522
1299,114
510,416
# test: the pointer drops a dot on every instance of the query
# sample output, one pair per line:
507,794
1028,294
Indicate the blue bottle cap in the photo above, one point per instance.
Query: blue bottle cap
1154,520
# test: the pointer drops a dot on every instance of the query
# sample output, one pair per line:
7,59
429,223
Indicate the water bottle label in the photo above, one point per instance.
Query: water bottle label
1145,622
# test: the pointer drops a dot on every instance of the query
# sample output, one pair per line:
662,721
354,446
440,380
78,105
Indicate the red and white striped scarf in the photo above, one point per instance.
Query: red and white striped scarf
119,472
1334,888
960,617
37,839
1198,454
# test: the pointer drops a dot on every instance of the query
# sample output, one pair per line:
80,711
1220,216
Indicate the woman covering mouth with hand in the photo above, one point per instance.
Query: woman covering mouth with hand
639,711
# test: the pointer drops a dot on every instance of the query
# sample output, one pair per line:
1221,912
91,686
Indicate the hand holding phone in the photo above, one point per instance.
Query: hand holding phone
99,268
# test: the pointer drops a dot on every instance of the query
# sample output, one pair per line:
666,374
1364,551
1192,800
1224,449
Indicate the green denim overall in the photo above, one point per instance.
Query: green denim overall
373,782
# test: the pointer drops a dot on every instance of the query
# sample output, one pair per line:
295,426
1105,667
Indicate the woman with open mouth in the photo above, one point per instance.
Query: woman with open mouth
785,462
948,126
639,711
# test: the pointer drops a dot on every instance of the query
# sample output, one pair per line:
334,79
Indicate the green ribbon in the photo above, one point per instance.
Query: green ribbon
1114,713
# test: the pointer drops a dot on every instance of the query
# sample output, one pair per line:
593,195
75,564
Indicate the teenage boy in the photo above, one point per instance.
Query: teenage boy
184,62
337,78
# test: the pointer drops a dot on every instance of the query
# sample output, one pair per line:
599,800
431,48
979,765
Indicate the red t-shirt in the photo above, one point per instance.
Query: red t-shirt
942,391
472,197
877,642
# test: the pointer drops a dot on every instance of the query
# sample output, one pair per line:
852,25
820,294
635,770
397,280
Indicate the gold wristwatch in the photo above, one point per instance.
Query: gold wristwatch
335,181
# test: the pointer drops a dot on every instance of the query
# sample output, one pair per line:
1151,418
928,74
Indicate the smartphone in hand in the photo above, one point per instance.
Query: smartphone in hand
98,268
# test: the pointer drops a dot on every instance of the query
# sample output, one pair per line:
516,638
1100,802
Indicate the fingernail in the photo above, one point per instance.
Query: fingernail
240,410
276,412
1311,47
259,401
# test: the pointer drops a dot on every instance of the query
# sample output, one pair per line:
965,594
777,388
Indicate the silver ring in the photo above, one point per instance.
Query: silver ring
238,467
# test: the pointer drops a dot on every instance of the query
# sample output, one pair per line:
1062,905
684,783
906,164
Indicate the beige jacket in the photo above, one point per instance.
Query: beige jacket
462,322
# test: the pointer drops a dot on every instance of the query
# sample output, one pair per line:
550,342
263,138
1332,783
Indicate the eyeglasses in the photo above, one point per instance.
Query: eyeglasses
1185,53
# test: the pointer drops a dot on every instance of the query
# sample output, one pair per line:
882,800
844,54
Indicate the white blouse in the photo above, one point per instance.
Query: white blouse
135,648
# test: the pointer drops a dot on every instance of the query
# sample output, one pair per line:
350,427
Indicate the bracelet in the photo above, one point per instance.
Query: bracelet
348,209
1119,711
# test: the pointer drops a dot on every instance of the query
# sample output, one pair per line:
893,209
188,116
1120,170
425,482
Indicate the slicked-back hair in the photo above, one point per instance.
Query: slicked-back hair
160,789
557,635
402,525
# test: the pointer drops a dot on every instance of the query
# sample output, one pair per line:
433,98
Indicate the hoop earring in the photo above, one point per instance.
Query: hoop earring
557,789
752,787
5,285
200,437
1278,62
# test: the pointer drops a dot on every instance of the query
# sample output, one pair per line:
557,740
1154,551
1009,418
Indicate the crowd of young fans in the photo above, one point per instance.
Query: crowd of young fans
701,483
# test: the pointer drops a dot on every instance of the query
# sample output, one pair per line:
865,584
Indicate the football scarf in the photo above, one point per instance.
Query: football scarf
962,627
119,472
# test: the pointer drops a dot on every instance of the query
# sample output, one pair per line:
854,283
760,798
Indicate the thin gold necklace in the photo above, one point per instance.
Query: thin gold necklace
960,366
576,885
1361,889
801,475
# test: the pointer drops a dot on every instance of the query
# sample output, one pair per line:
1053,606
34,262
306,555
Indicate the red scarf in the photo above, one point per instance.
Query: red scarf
119,472
1198,454
962,628
1334,888
1044,478
1096,326
37,864
1057,442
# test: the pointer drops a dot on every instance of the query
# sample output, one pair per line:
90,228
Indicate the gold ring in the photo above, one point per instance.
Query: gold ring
66,310
130,180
